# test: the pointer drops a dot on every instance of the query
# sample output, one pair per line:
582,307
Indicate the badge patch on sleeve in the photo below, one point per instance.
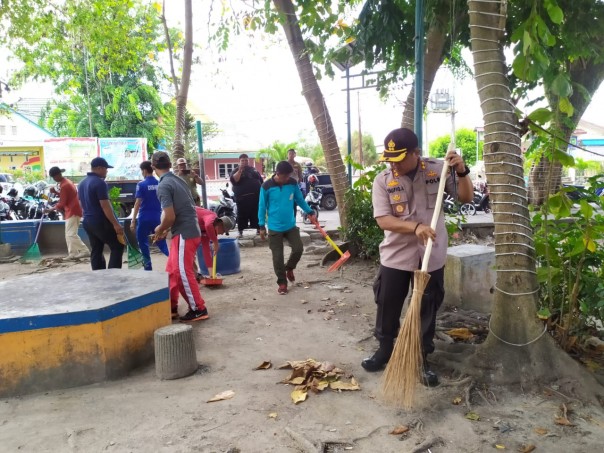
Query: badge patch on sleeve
399,208
396,198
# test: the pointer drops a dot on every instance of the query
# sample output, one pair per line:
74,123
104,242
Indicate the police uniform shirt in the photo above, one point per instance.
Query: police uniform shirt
413,201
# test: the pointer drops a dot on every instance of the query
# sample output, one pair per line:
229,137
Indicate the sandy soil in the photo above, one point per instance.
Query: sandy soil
327,317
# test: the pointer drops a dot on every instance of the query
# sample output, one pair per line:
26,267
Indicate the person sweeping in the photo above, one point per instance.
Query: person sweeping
404,199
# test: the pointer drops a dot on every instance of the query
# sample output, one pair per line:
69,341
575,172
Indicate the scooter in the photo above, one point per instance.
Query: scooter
313,199
480,202
225,206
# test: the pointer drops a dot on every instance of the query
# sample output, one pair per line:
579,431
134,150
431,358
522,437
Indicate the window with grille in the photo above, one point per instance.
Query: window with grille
224,170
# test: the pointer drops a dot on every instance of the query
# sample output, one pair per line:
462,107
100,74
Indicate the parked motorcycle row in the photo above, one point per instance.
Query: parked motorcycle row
29,202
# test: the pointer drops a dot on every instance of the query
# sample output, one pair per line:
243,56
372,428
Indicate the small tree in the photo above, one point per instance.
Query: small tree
465,140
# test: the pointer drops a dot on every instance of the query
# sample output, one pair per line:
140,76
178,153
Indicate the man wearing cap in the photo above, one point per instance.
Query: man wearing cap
72,213
99,221
146,214
404,198
211,226
246,186
179,217
191,178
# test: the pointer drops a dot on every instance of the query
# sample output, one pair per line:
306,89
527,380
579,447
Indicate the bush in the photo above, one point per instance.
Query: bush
362,230
570,255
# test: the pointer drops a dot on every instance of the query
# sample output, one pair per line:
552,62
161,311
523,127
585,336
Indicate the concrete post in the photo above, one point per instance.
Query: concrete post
175,352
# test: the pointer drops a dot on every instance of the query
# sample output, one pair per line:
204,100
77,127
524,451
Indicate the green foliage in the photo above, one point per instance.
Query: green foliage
103,59
465,140
114,198
276,152
568,244
370,156
362,230
28,177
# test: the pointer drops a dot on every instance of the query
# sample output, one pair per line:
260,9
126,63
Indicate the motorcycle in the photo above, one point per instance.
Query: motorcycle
480,202
31,202
5,210
225,206
313,199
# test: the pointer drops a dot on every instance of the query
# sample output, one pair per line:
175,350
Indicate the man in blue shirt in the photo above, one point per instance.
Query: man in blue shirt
99,220
148,209
277,197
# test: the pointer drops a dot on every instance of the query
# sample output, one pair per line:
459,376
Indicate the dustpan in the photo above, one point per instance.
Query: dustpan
214,279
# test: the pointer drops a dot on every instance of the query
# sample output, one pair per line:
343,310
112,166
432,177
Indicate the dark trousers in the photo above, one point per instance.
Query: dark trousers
144,227
390,288
247,212
99,234
275,243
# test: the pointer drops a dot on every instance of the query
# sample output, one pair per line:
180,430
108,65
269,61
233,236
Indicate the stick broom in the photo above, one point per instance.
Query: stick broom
403,370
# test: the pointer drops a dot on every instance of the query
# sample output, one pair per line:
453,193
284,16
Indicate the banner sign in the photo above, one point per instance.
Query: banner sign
125,154
72,154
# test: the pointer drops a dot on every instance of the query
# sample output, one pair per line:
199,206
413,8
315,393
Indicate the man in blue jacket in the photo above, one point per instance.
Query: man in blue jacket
277,197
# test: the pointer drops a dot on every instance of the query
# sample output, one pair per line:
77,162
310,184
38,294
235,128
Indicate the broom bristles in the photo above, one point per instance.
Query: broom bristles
403,370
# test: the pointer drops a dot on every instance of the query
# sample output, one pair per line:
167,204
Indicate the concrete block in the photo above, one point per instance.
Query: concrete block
470,277
5,251
63,330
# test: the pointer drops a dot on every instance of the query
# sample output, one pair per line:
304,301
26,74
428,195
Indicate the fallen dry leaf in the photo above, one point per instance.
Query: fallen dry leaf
461,333
500,447
298,396
563,421
527,448
340,385
272,415
264,365
297,380
541,431
226,395
456,400
399,430
303,301
473,416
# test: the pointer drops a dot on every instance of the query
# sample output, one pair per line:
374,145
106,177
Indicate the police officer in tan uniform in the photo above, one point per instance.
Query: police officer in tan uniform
404,198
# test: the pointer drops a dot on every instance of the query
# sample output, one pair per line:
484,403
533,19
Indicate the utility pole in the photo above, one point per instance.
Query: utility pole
360,134
202,167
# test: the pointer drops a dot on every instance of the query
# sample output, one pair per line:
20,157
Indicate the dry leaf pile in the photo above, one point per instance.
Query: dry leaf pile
310,375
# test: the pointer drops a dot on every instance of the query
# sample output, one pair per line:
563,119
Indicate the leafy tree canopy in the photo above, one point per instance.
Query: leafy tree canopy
465,141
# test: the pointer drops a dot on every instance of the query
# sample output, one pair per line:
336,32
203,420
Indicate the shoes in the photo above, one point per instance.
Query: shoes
198,277
174,313
378,360
240,235
289,273
282,289
429,377
195,315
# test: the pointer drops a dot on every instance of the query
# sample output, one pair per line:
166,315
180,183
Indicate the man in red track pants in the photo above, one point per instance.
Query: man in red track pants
179,216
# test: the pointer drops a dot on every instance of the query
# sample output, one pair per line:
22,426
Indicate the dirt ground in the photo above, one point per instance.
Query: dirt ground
327,317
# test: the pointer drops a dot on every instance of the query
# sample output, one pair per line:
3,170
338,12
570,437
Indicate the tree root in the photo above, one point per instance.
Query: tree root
425,445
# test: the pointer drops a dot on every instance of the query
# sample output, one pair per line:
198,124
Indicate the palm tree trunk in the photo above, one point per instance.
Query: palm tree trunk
316,103
183,92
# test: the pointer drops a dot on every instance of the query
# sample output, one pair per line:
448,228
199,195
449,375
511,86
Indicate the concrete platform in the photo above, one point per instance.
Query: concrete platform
470,277
68,329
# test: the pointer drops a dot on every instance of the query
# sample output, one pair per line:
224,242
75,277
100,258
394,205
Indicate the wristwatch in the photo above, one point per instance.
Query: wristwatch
464,173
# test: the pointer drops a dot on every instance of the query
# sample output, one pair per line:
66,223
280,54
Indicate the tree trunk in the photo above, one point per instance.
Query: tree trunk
433,59
183,91
546,176
515,350
316,103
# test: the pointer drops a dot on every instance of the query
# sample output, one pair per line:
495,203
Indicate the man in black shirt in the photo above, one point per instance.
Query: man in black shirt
246,186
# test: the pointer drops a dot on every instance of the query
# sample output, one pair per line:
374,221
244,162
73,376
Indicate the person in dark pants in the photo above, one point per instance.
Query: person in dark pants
99,220
246,186
146,214
277,197
404,199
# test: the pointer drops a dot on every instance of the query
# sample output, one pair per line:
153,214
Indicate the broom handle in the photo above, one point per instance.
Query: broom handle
436,214
326,236
39,228
214,266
